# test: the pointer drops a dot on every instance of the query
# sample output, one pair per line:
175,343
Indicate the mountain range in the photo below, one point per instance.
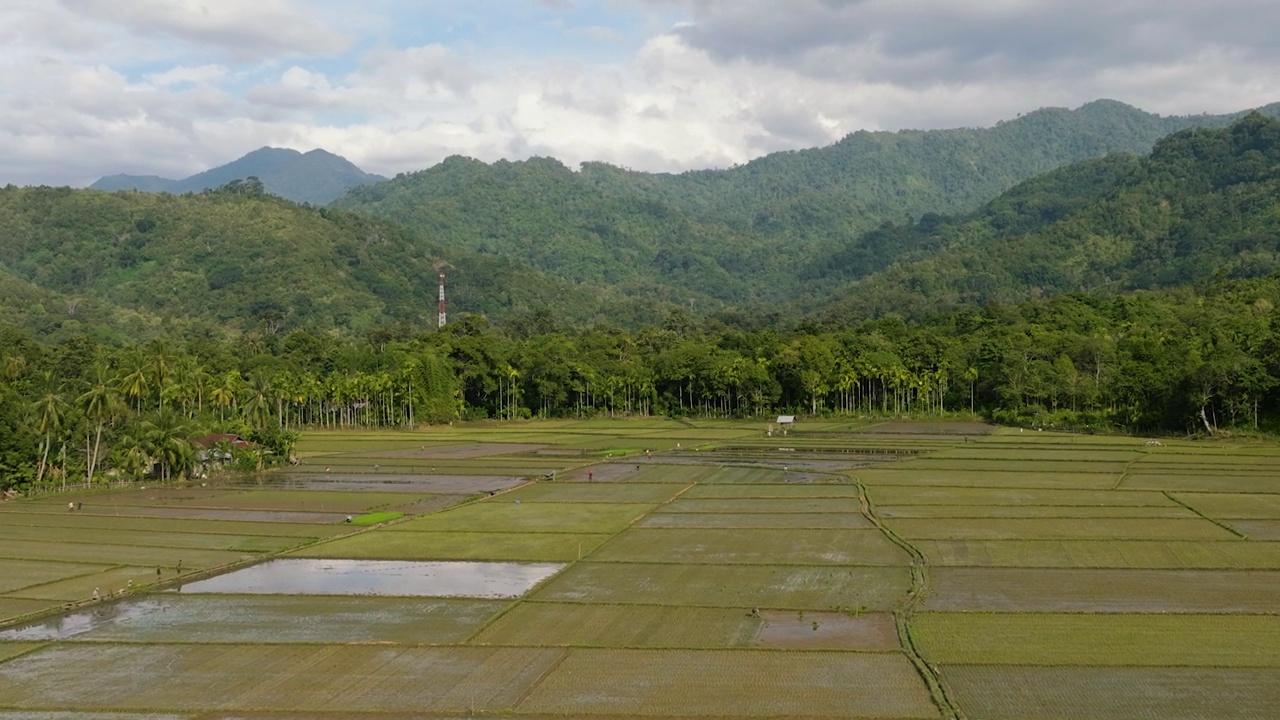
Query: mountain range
909,223
317,177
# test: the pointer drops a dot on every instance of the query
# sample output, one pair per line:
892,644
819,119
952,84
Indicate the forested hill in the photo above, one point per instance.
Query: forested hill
1205,203
751,233
223,262
317,177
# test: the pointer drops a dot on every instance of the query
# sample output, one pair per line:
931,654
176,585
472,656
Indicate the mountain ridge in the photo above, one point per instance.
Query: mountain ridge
316,177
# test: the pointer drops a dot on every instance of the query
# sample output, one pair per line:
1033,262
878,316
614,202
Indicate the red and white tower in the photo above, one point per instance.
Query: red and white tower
442,319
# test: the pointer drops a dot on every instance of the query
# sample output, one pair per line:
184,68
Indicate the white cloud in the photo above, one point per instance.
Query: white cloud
89,88
240,28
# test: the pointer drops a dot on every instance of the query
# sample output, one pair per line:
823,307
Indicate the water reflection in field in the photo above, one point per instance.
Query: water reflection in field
380,577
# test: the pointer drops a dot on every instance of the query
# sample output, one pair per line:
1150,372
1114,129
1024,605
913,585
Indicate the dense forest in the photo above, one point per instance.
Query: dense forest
760,233
123,266
1178,361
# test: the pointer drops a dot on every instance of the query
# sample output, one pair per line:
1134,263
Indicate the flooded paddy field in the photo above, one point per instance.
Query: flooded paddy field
661,569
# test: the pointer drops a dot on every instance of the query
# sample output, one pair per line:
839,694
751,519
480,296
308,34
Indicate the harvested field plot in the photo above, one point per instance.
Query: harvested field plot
435,484
1098,640
458,546
1154,554
593,493
1111,693
792,587
950,429
1060,529
82,586
65,522
887,495
745,475
503,515
456,452
17,607
18,574
787,491
118,554
1257,529
1103,591
1215,483
755,546
998,454
708,682
828,631
1075,512
298,678
315,500
622,626
14,649
658,472
1052,467
766,505
144,538
753,520
270,619
1231,506
991,478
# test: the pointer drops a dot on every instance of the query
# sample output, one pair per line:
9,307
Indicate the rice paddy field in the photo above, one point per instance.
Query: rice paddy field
660,569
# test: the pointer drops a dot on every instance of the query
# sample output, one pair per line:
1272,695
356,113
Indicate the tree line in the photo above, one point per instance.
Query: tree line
1183,361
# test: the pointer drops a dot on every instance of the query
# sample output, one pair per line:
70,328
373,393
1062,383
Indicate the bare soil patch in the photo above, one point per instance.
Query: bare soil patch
827,631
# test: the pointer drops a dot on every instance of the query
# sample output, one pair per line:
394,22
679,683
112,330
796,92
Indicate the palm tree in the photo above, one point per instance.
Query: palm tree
256,407
161,367
14,367
167,438
136,381
49,410
100,404
223,393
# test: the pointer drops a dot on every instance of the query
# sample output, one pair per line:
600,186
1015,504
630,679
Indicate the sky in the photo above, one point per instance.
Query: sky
172,87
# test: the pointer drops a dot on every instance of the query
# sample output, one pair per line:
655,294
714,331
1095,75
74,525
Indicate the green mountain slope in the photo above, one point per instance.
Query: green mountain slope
227,262
754,233
1205,203
317,177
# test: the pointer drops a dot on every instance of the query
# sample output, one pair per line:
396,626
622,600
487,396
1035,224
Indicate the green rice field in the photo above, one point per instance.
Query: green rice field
651,568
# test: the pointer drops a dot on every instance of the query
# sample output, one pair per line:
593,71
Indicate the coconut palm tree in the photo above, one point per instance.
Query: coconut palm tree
100,404
49,411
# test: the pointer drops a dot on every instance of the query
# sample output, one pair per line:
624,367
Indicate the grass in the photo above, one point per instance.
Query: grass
459,545
1098,639
1076,513
753,546
375,518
